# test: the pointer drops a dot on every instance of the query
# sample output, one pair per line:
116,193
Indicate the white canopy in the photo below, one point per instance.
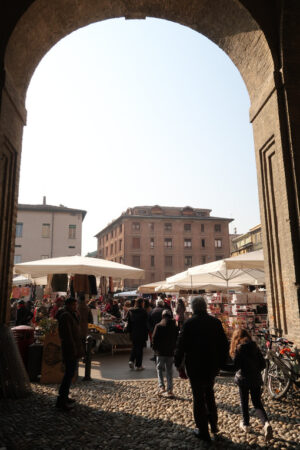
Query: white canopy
224,271
21,280
149,288
250,260
79,265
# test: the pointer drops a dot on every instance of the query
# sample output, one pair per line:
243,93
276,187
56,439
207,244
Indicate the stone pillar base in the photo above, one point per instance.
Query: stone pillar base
14,381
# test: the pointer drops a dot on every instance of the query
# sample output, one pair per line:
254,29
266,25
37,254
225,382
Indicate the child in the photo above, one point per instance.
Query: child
249,362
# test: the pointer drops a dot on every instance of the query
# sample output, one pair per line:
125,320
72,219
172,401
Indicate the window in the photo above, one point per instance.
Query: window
187,243
152,261
18,246
106,237
120,244
46,230
17,259
72,231
188,261
136,242
116,246
111,248
120,228
136,261
44,256
151,242
151,226
218,243
19,229
168,227
136,226
203,259
106,251
203,243
218,228
168,242
168,261
218,257
71,246
187,227
202,227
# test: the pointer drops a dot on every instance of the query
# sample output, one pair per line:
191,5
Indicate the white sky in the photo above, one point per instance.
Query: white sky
124,113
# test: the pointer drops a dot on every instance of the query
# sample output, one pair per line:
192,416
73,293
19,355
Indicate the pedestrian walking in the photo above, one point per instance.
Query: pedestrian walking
164,342
203,345
137,326
85,317
249,362
154,317
180,311
69,333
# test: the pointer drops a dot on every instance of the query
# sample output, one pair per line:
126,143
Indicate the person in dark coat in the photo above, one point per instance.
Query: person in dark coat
155,315
203,345
137,326
249,362
69,333
23,315
163,342
115,310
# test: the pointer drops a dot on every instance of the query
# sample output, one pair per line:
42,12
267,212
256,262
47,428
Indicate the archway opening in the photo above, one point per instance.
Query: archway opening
147,112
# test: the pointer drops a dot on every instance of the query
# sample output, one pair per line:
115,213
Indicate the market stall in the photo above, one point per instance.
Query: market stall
79,270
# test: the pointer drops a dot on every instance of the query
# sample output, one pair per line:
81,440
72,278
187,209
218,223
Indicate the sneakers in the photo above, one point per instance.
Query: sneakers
169,394
131,365
63,405
198,435
268,432
161,391
244,427
140,368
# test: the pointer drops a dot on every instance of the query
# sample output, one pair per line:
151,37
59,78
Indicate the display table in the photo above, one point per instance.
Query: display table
116,339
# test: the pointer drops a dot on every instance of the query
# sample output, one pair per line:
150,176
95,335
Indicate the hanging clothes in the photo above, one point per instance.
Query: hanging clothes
59,282
92,285
81,283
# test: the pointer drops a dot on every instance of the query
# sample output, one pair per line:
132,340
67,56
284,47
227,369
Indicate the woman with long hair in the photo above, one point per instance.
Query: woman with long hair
249,362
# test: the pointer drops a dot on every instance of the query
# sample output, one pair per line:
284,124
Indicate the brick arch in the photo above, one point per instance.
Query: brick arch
225,22
267,57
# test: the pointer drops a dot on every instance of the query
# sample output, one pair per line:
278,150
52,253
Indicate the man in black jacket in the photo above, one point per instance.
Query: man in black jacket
203,345
163,343
137,326
71,346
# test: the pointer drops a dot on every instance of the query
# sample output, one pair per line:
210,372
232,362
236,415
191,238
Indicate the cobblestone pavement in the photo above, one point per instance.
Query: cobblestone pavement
130,415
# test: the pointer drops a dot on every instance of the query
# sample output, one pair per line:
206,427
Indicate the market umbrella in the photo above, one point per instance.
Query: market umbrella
149,288
218,271
250,260
79,265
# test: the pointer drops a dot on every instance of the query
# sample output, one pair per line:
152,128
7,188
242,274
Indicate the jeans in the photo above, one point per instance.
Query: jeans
137,353
167,362
204,405
255,392
70,369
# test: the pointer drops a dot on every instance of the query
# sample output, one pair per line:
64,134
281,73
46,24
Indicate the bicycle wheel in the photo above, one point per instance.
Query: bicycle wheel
278,382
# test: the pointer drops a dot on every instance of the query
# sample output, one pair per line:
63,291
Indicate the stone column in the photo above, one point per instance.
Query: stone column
14,379
278,205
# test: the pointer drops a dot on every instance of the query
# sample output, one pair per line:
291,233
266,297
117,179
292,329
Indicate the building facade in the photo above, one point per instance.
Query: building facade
164,240
46,231
248,242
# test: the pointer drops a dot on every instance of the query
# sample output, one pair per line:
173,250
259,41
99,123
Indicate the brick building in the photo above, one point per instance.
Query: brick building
164,240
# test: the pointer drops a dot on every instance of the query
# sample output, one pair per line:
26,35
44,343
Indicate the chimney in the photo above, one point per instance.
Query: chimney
44,200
